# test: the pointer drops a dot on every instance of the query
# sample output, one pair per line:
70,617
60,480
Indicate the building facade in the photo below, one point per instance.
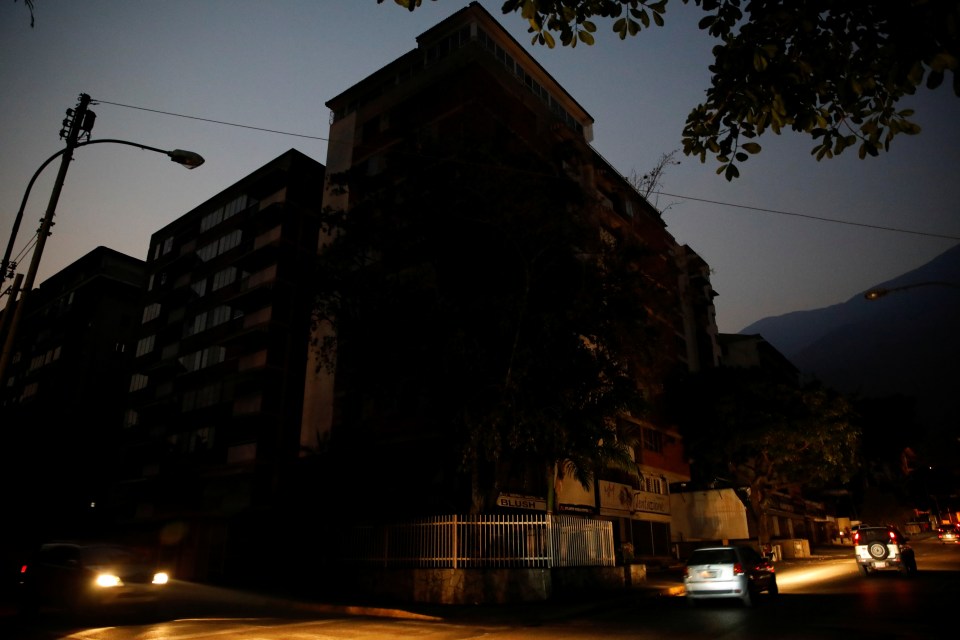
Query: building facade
469,82
61,404
212,426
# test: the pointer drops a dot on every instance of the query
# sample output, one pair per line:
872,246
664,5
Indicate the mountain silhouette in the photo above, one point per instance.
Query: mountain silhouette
906,342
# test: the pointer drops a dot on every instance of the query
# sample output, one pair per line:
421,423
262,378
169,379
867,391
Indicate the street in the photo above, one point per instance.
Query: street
819,598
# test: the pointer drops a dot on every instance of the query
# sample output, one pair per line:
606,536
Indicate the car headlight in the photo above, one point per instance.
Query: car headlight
108,580
160,578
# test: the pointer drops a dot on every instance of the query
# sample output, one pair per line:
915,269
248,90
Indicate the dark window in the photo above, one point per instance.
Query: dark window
653,440
712,556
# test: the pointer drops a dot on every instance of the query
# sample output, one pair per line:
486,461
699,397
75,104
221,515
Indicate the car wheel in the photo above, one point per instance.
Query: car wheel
774,589
877,550
747,598
864,570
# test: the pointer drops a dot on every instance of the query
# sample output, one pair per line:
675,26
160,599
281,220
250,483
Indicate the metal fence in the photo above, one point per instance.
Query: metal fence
478,541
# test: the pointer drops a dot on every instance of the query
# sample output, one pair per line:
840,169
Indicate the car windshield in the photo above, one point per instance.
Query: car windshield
110,555
712,556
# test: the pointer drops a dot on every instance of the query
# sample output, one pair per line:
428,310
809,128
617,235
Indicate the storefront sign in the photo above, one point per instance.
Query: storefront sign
513,501
651,502
575,508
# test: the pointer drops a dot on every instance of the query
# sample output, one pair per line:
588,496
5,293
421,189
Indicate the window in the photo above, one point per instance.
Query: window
138,381
168,245
211,220
209,395
201,440
131,418
201,359
235,206
653,440
145,345
36,362
224,277
150,312
219,315
29,391
222,245
207,252
229,241
212,356
653,485
199,288
199,324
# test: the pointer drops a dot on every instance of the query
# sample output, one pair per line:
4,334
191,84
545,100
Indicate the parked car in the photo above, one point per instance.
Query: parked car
85,578
948,533
882,548
728,572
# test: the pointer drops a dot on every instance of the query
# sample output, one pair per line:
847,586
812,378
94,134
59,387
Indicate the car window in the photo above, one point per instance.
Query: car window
873,534
109,555
58,555
712,556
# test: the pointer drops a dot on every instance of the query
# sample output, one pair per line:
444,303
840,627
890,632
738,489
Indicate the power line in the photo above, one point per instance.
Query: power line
810,217
671,195
229,124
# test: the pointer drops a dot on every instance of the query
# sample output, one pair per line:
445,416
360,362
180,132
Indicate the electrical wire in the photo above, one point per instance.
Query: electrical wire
229,124
809,217
671,195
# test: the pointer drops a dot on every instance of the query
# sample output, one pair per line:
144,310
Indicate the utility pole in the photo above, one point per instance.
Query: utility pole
79,122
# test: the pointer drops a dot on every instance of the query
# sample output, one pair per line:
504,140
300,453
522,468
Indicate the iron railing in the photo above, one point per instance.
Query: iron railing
477,541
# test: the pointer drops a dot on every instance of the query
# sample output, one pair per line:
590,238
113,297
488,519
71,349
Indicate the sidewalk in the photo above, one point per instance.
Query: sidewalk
662,583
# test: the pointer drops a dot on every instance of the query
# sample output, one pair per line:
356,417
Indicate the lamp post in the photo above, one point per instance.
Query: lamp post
79,122
879,292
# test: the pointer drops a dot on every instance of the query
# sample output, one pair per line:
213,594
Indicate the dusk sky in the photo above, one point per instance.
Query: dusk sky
270,65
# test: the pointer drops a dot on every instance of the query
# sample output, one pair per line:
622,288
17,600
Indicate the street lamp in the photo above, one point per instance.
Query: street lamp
188,159
79,122
879,292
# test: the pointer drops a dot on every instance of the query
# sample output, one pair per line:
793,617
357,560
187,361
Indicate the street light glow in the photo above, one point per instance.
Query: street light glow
879,292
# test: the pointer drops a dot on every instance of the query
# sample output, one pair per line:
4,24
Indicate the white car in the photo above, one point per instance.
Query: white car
728,572
882,548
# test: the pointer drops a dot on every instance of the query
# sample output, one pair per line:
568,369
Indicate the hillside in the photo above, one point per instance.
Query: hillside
906,342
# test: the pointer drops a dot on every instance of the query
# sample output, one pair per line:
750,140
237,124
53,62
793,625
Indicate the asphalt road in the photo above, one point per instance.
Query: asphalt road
820,598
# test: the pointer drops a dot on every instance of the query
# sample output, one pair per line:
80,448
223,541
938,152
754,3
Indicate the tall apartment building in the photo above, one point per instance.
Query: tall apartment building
61,404
469,82
214,412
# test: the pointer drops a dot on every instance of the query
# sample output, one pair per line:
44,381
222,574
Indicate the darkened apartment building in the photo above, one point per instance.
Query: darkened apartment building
61,404
468,107
215,396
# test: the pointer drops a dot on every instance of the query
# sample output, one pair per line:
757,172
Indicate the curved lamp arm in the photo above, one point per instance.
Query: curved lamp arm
189,159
